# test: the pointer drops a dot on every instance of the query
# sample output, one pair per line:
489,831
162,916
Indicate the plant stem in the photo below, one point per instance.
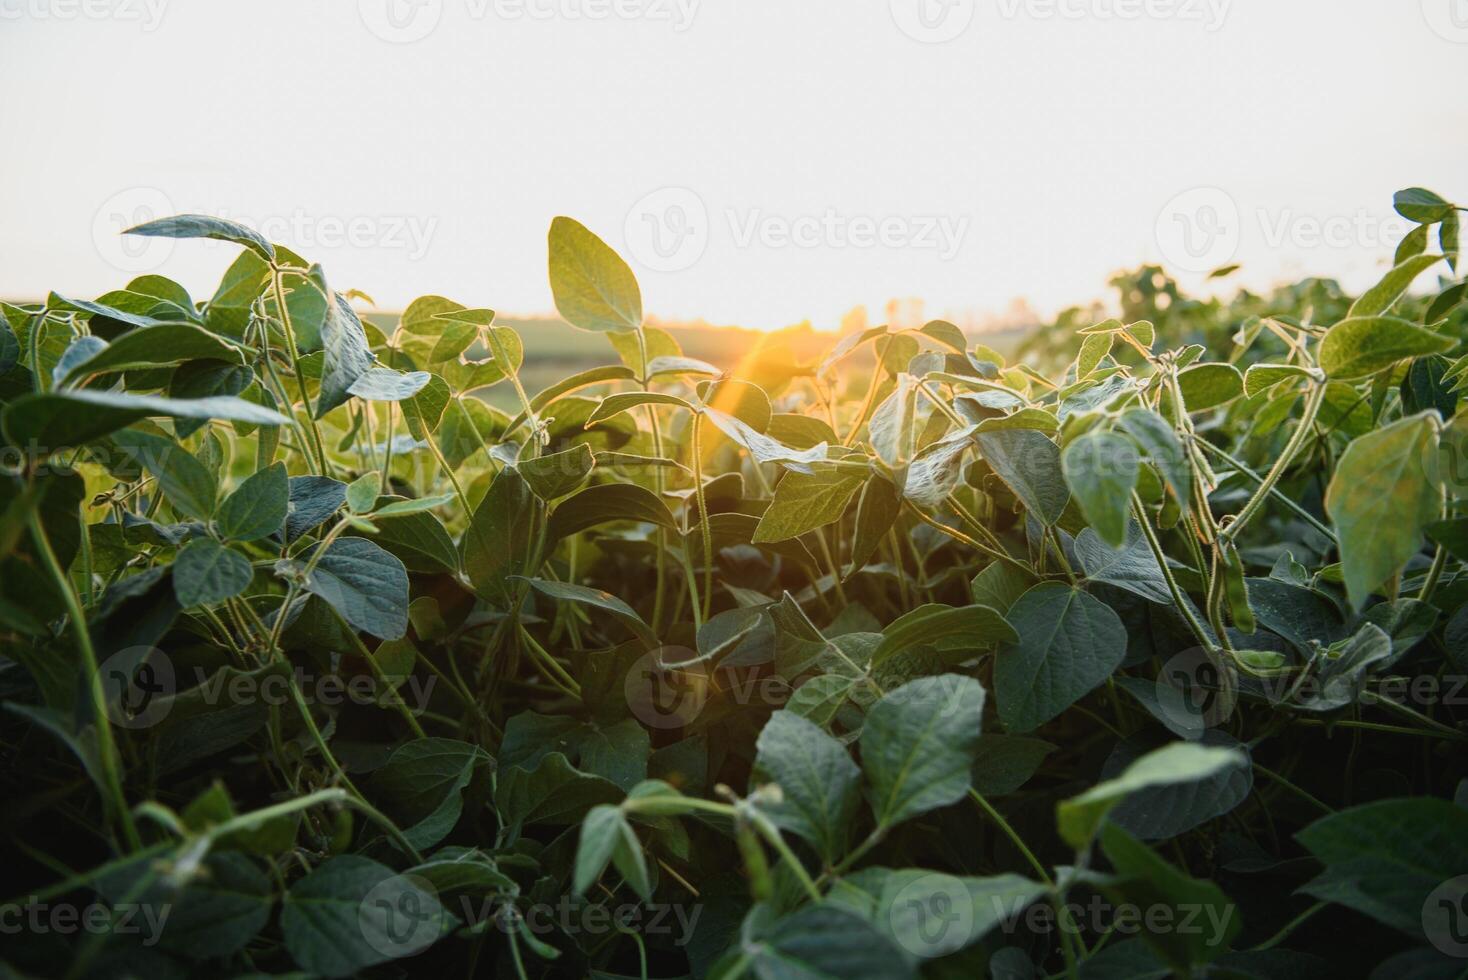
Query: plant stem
703,517
277,285
106,742
1178,597
1281,465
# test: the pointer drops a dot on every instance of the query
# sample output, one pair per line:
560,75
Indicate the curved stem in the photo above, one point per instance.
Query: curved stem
277,285
106,742
1281,465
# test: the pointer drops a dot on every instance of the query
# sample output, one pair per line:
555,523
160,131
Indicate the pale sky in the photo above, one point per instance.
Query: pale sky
758,162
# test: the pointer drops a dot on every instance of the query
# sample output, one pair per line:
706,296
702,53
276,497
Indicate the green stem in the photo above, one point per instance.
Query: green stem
1178,598
1281,465
1274,492
277,285
703,518
106,742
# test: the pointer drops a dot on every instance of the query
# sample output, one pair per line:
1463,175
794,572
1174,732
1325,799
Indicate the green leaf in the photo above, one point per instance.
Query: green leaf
362,493
1206,386
1382,495
1361,346
149,347
206,572
624,401
56,421
1101,470
366,585
1159,441
761,447
187,483
346,354
1079,817
497,542
1262,377
553,793
312,499
929,623
1379,298
595,599
422,785
605,504
1384,859
1029,464
821,941
557,474
1421,205
931,914
1069,643
876,514
349,914
804,502
593,288
1145,880
946,334
1094,347
380,384
1025,418
424,410
918,746
1004,763
1167,811
205,226
820,784
607,837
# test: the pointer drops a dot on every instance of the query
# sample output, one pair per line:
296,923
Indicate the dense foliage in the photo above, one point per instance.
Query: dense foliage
1142,657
